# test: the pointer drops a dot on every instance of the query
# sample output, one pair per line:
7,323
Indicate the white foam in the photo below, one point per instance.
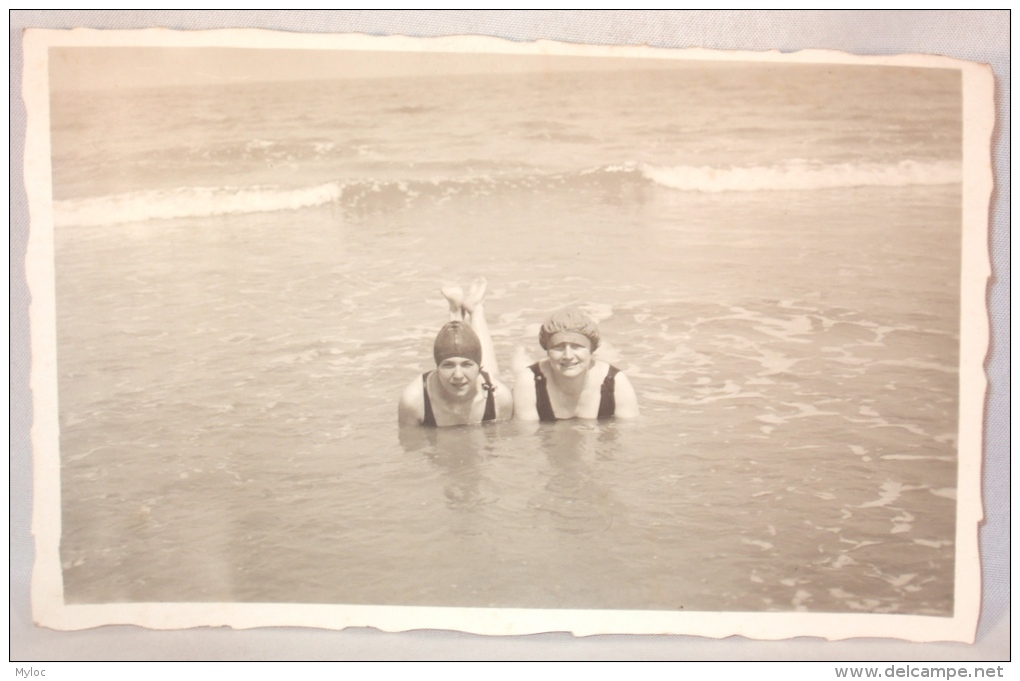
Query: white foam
900,580
842,560
763,545
598,311
189,202
891,491
663,397
800,599
916,457
775,362
933,544
858,544
730,390
810,410
920,364
909,427
803,175
787,328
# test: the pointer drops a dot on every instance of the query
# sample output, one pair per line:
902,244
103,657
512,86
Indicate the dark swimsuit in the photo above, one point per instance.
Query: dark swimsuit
607,407
490,401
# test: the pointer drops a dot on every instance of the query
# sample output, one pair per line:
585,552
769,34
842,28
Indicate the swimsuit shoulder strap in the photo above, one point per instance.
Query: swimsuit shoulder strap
490,399
607,405
542,403
429,418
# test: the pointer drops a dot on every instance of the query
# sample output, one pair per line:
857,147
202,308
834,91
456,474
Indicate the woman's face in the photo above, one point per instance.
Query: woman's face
570,354
457,375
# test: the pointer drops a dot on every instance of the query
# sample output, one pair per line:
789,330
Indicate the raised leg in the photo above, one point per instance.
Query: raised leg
474,308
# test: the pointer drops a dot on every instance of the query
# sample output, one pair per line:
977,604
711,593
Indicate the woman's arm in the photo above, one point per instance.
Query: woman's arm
504,402
524,397
411,410
626,398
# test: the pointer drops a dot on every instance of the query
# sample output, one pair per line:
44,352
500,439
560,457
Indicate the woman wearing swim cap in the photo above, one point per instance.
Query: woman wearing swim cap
461,390
570,383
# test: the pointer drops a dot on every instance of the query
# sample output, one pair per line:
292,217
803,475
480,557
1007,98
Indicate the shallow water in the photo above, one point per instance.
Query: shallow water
793,452
228,379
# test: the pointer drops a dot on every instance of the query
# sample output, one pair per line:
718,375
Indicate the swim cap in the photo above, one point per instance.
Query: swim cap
570,320
457,339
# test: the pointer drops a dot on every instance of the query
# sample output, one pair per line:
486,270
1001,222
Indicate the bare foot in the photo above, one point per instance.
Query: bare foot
475,294
455,297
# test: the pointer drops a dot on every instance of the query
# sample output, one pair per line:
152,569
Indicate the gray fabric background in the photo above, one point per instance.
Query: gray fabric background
981,36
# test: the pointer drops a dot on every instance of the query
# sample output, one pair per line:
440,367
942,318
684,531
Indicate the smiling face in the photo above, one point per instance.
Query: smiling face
570,354
457,376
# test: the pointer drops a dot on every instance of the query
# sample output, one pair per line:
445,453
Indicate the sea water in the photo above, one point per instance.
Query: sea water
248,275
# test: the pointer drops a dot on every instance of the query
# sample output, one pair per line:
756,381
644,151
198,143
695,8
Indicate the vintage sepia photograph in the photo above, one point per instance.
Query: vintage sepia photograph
488,329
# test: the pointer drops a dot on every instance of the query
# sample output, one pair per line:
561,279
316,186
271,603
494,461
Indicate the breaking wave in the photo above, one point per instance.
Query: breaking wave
370,195
802,175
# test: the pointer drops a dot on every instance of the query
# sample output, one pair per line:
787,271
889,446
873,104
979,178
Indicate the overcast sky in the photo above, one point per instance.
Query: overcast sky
78,68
